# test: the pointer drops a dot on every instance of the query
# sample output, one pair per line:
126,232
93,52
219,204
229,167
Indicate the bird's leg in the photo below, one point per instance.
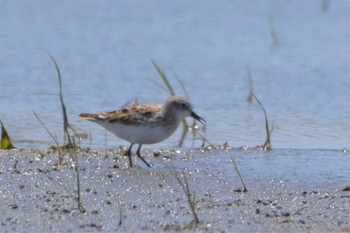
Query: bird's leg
129,154
139,155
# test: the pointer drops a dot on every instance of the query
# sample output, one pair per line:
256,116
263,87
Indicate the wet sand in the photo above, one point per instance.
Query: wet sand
288,191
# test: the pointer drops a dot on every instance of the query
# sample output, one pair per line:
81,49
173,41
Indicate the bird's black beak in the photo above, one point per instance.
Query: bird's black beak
198,118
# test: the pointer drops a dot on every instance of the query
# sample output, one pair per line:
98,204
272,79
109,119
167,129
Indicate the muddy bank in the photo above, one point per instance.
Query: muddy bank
288,191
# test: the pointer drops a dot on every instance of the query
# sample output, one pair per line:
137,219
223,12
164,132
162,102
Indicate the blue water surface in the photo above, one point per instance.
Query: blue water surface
298,53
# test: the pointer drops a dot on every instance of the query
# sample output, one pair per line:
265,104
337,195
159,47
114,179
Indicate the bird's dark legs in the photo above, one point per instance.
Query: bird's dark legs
129,154
139,155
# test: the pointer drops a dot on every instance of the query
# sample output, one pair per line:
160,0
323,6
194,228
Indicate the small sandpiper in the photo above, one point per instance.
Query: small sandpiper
145,124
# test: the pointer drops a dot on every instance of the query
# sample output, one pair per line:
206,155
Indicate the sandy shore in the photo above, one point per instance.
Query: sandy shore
288,191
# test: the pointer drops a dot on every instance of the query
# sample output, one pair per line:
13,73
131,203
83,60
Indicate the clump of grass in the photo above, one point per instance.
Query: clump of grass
170,90
71,143
70,146
191,198
240,190
6,143
267,145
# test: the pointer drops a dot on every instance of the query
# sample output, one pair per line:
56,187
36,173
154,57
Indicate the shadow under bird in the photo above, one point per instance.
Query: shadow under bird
145,124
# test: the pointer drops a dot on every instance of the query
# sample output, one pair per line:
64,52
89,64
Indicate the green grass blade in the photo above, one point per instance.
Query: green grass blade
6,143
164,78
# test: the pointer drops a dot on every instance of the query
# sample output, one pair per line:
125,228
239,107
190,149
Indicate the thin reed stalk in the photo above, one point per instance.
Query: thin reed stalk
120,213
273,32
326,5
75,197
267,145
240,177
54,138
191,198
64,111
47,130
78,198
66,125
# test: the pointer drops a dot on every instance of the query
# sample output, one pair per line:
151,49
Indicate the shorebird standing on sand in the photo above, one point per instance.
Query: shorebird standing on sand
145,124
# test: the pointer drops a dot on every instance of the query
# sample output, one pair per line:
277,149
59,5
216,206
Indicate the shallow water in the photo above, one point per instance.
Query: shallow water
105,49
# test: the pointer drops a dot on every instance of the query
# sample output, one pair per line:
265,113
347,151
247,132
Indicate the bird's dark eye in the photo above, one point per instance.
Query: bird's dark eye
183,105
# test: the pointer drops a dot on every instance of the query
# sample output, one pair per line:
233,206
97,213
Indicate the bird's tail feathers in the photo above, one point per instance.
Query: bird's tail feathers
88,116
